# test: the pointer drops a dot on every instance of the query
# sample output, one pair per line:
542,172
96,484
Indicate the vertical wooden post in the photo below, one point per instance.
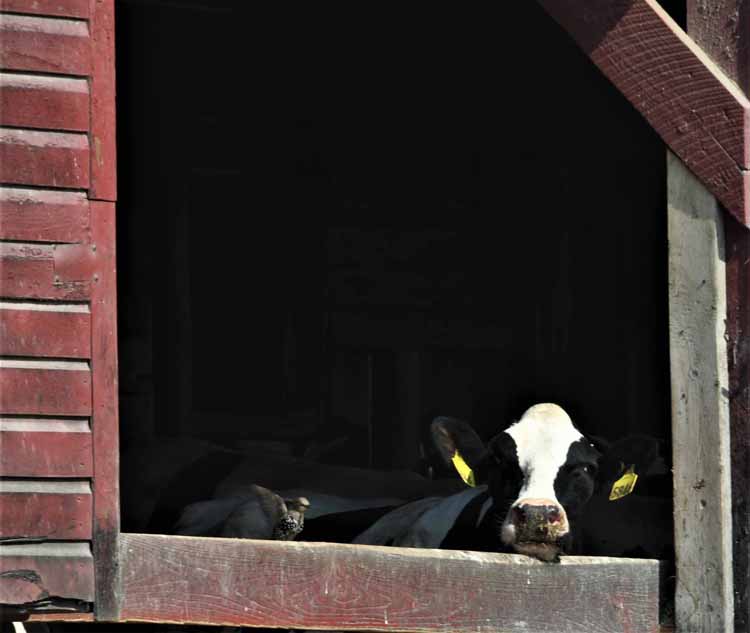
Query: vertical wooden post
700,407
722,29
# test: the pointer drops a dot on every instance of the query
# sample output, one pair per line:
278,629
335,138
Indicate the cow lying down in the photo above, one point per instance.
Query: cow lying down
529,490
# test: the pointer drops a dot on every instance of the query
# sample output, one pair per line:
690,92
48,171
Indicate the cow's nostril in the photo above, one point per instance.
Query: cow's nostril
552,513
519,514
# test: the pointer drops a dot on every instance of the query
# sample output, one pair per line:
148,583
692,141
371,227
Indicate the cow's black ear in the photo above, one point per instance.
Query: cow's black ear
640,454
456,441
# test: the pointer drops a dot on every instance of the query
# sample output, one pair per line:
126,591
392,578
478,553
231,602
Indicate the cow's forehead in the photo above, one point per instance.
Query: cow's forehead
543,436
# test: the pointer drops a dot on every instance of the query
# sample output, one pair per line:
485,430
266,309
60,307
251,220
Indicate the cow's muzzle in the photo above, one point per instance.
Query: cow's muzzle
536,527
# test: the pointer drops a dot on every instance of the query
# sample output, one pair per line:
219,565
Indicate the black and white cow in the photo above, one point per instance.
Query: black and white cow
532,482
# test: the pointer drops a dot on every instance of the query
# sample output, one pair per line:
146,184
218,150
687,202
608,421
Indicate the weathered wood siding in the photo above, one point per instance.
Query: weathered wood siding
58,422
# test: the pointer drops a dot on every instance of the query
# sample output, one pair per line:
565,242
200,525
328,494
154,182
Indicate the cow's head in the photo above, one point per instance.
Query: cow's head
541,471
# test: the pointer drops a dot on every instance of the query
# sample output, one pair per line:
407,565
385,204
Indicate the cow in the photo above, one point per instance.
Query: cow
529,488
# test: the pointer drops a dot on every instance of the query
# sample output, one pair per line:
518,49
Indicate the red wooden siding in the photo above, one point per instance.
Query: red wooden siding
44,159
34,215
700,114
57,103
60,388
45,447
29,271
33,572
45,45
50,510
62,8
28,329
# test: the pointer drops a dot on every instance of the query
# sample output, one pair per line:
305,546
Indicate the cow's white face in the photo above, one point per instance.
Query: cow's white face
541,471
556,465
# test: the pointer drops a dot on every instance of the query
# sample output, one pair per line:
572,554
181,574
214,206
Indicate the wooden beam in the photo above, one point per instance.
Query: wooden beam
722,29
699,113
357,587
700,407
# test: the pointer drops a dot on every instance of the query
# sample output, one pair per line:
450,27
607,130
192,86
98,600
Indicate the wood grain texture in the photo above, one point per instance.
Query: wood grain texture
61,8
45,391
701,114
54,103
27,271
52,510
44,159
44,447
348,587
104,151
36,215
720,28
33,572
700,406
44,333
738,331
105,423
43,44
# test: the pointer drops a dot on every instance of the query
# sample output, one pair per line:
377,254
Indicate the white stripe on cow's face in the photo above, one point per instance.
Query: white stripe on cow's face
543,436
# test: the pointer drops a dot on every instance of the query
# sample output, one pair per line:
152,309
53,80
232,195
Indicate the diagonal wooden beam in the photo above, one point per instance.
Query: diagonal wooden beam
700,113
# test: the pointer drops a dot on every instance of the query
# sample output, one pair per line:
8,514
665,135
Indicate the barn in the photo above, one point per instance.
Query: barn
244,246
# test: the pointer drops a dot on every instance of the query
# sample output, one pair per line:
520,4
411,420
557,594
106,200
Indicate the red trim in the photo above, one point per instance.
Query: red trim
700,114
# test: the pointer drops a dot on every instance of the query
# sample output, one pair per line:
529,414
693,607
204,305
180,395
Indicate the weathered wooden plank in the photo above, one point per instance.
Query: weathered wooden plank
30,271
53,510
53,45
104,154
44,159
720,28
63,331
45,387
45,447
60,8
54,103
738,332
701,114
105,423
364,588
700,406
37,215
33,572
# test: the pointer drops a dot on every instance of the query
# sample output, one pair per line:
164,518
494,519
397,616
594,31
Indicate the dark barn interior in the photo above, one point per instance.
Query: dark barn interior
333,228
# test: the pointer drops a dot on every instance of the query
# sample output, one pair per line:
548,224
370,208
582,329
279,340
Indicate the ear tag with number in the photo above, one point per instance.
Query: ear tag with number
624,485
463,469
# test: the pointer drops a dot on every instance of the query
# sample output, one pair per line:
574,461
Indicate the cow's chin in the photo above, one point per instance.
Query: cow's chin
547,552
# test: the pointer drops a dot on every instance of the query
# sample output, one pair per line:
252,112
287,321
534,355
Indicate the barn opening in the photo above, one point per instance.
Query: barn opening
328,236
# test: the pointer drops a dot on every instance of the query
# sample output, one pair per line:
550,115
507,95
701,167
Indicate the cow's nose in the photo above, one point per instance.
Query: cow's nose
539,513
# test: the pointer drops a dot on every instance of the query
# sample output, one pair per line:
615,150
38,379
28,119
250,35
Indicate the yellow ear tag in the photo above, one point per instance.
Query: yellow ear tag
463,469
624,485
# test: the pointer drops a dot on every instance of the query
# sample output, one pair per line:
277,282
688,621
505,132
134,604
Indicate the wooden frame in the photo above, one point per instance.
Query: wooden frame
74,265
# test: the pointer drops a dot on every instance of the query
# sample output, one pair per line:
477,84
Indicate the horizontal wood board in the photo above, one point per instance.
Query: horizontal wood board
321,585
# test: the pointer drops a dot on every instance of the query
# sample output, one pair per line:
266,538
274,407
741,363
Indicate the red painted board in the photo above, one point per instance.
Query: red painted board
44,332
44,159
35,101
37,215
28,271
52,45
45,447
241,582
105,422
44,391
700,113
61,8
103,147
32,572
59,511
